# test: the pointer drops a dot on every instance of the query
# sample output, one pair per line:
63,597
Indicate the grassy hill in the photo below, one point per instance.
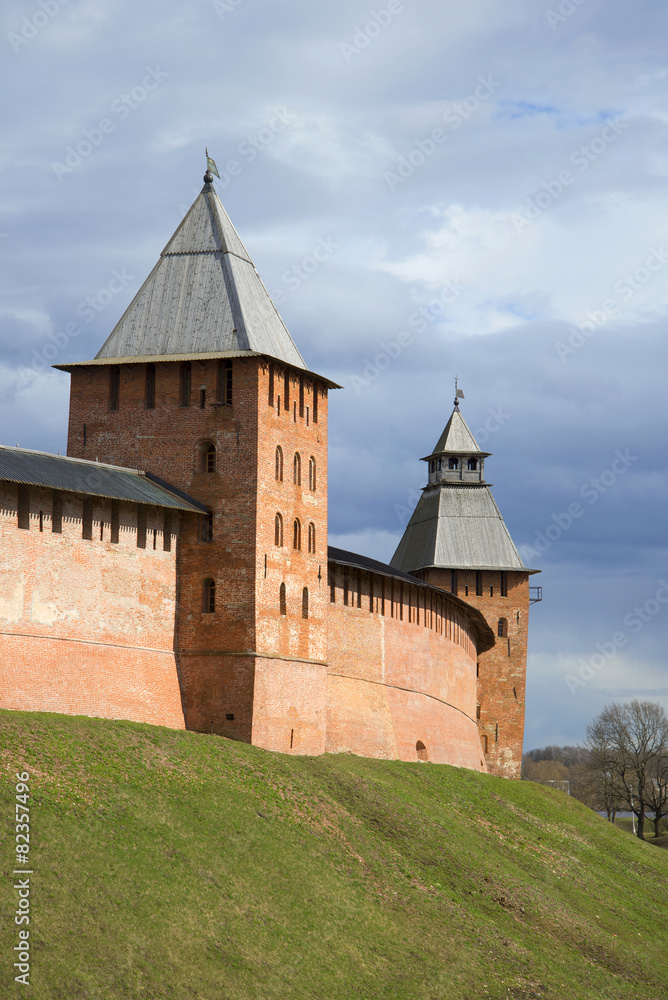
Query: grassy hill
175,865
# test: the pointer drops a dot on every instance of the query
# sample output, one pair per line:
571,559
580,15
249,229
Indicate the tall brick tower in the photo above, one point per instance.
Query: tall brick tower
457,540
201,384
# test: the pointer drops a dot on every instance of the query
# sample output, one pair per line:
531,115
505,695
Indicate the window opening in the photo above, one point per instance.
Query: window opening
301,395
167,532
141,527
115,521
305,602
278,530
202,399
149,386
297,534
87,519
282,600
311,537
209,596
453,463
478,584
186,376
57,514
473,464
421,751
271,385
311,473
114,386
297,469
279,463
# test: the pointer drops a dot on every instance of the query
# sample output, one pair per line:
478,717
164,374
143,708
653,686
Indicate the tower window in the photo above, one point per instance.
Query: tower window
311,473
477,711
332,587
301,395
453,581
208,596
502,628
483,740
305,602
504,585
297,469
286,391
478,584
224,387
149,386
311,537
453,463
473,465
202,399
440,464
206,527
279,463
421,751
211,458
278,530
114,386
315,402
282,600
496,733
297,534
271,385
186,376
24,507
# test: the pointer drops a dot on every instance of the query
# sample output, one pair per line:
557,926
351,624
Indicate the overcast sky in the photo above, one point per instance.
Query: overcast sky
487,179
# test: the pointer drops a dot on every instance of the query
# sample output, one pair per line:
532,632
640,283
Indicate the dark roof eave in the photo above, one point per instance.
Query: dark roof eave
485,635
137,359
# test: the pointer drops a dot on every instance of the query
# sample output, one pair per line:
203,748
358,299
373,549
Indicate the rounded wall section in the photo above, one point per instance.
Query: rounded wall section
402,671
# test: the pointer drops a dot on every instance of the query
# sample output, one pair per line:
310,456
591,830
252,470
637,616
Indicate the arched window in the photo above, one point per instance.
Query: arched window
453,463
279,463
209,596
297,534
297,470
305,602
502,628
206,527
473,465
311,473
278,530
421,750
207,456
484,743
311,537
281,600
440,464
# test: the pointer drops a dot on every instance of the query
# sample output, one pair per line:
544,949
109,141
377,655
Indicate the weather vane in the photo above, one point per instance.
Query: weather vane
211,169
459,394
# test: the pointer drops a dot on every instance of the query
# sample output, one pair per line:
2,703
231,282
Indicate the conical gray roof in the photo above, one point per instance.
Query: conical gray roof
203,296
457,439
456,527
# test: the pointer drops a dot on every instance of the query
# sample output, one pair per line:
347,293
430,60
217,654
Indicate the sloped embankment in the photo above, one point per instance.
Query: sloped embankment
175,865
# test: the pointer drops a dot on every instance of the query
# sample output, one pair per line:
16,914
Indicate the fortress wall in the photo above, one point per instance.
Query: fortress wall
87,626
402,669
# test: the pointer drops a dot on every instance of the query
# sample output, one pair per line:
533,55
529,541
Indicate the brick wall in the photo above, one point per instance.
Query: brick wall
402,669
501,670
87,626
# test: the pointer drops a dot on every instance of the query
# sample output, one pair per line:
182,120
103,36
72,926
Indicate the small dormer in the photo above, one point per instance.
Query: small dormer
457,457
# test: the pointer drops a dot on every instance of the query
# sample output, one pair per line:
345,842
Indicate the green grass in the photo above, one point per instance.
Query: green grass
176,865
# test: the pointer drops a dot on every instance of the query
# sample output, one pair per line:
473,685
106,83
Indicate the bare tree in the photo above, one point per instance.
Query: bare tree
629,743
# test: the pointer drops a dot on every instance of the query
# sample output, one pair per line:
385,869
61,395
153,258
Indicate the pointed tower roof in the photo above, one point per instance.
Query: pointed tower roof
457,439
204,296
456,523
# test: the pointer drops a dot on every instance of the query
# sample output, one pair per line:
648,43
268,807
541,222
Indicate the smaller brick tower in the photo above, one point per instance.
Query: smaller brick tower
457,540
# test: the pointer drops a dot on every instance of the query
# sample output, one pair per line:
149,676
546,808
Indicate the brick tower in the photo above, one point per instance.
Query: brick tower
457,540
201,384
